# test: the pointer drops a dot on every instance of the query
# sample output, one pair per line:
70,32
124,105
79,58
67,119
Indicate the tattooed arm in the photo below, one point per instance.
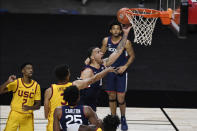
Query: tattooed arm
131,57
114,56
91,78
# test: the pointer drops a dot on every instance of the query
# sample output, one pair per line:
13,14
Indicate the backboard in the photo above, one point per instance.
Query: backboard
184,14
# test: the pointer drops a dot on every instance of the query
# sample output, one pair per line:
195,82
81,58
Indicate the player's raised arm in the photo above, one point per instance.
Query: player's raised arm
114,56
104,45
89,80
131,57
3,87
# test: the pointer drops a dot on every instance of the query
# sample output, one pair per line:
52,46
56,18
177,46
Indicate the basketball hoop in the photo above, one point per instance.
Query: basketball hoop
143,22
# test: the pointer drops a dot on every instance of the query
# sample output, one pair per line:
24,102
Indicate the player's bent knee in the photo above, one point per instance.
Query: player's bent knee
112,96
112,100
121,103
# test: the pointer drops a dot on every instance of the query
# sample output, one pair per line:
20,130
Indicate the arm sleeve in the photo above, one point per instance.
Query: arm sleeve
38,93
12,86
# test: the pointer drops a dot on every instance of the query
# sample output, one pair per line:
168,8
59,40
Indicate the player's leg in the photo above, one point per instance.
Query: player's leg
111,91
89,97
122,103
121,91
27,123
12,122
112,102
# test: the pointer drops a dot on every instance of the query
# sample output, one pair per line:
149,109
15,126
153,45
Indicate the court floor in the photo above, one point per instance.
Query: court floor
138,119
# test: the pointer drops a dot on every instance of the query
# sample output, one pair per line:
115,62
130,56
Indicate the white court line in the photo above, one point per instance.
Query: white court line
138,119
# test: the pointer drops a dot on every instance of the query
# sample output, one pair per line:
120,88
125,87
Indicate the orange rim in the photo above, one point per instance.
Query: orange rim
165,16
154,13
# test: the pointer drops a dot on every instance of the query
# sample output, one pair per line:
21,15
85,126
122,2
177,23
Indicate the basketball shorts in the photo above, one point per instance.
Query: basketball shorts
50,125
73,127
117,83
89,96
21,121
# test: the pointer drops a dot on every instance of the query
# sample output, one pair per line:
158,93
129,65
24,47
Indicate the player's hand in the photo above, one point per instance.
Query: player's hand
121,69
112,69
11,78
25,107
126,28
87,61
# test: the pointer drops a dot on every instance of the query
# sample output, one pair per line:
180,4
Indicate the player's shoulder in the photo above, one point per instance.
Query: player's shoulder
14,83
48,91
106,38
16,80
87,69
34,82
69,84
49,88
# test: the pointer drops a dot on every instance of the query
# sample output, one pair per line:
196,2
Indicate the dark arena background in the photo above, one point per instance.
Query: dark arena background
162,75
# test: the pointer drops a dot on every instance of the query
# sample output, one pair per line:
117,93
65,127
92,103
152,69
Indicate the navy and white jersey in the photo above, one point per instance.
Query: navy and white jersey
122,60
71,116
88,96
95,71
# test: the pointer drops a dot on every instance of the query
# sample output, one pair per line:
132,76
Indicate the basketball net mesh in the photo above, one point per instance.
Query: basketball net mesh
143,27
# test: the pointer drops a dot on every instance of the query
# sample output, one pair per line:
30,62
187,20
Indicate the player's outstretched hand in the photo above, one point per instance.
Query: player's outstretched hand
112,69
11,78
121,69
126,28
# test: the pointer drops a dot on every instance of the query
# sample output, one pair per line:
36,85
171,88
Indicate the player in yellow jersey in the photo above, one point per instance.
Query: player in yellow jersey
54,95
26,98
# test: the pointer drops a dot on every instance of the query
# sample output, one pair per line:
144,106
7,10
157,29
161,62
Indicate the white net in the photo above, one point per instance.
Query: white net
143,27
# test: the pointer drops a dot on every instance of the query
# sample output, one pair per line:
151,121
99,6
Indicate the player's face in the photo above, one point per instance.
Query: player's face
28,70
97,54
115,30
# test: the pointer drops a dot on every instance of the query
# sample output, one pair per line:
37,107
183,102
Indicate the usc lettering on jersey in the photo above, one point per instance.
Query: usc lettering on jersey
23,94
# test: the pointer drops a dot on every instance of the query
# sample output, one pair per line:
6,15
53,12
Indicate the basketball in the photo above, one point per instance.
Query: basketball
121,16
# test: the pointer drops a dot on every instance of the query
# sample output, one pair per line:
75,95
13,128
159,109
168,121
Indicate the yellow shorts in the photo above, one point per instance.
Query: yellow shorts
50,125
21,121
98,129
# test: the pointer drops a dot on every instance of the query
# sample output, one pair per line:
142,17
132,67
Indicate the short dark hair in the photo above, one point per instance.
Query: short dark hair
111,122
71,95
114,22
61,72
24,64
90,51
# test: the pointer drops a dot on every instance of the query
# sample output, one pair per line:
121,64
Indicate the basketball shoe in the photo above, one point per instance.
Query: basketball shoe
124,126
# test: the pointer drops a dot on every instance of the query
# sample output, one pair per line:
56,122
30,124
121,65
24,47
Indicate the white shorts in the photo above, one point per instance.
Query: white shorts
73,127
